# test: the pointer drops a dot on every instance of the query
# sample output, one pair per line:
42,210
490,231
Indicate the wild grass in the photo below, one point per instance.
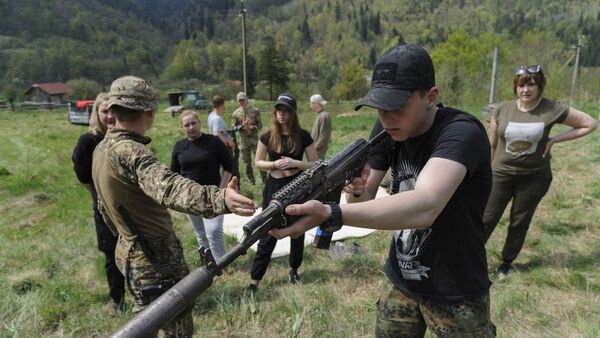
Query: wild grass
52,280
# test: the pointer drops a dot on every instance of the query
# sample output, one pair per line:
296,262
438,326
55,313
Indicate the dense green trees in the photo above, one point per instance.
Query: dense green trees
272,66
83,89
175,42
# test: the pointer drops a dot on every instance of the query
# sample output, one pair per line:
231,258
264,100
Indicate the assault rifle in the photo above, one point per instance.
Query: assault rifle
324,180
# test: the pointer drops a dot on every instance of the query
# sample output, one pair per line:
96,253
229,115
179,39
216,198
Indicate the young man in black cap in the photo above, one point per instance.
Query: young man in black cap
440,182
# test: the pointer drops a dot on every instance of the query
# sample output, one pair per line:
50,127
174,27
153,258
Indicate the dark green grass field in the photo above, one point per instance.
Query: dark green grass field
52,279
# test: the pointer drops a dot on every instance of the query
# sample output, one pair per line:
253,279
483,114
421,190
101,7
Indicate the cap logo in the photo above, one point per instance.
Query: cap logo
385,72
284,97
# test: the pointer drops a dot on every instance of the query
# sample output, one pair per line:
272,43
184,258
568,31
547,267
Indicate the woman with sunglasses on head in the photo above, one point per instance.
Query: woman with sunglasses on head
100,119
280,151
521,147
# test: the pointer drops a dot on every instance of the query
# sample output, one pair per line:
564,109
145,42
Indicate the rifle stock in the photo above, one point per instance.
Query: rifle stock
324,180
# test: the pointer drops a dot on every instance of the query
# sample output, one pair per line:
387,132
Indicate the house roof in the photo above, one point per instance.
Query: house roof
52,88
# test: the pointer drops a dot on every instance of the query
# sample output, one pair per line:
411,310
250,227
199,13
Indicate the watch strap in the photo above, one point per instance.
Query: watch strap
334,223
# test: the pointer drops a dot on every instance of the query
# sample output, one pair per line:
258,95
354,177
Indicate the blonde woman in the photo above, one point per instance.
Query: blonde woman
100,120
200,157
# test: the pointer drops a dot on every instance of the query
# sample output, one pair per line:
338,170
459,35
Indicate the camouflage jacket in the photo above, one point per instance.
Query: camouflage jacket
253,117
127,173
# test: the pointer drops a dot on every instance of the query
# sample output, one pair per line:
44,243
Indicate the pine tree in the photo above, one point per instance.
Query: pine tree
304,29
210,26
272,66
372,56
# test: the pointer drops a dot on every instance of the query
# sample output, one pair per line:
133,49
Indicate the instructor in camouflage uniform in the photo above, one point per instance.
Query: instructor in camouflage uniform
134,191
247,121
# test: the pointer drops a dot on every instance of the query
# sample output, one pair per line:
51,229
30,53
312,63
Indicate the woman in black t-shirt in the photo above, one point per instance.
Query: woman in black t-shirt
100,119
200,158
280,152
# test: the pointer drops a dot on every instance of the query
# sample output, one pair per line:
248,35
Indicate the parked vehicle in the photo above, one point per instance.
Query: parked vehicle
80,111
179,101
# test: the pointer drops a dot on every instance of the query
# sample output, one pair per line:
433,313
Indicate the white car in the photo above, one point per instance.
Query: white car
80,111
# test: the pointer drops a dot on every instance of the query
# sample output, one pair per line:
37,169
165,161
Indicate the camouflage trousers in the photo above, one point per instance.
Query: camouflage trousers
247,149
403,315
143,274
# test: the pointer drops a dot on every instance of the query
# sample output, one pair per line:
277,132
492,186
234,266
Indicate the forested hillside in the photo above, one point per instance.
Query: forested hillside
300,45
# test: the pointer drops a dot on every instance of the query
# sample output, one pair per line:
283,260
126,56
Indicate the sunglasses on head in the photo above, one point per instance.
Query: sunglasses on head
533,69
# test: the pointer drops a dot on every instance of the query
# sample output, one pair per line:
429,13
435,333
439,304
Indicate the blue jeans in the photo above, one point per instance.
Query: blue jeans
209,233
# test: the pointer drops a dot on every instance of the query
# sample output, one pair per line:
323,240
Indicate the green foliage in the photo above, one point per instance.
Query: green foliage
352,83
83,89
272,66
174,41
461,59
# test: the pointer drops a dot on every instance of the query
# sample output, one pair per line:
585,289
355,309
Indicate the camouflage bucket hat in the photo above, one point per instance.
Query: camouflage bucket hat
132,92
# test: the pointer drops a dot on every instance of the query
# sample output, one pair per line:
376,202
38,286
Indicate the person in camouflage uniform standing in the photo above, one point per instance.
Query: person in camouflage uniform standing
134,191
247,121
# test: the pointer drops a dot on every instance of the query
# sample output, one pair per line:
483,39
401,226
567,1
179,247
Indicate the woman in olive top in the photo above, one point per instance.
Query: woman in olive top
521,147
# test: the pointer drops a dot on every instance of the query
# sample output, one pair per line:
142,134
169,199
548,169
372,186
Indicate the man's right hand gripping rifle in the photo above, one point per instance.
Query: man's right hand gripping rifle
317,213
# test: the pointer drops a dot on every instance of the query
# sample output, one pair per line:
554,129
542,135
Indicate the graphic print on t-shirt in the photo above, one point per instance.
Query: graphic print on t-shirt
523,138
409,242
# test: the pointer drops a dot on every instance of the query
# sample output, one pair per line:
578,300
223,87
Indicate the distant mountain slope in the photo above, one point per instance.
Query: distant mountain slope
58,40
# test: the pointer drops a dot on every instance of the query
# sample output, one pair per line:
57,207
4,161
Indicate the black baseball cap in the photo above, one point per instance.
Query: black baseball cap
397,73
286,99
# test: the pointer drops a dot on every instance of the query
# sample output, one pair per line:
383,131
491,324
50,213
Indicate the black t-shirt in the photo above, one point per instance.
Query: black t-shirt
305,141
82,156
82,163
446,260
201,159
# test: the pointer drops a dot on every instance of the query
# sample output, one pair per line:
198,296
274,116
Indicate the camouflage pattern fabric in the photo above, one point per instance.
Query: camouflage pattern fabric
248,138
247,153
403,315
143,274
125,172
132,92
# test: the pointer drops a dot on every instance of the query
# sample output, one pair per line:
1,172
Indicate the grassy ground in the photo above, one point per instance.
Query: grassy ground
52,280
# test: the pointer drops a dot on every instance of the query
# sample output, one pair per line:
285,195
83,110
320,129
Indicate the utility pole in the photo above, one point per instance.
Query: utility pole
243,13
493,83
576,69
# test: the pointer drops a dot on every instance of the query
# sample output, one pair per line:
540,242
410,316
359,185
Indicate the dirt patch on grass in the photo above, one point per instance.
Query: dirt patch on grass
29,280
32,201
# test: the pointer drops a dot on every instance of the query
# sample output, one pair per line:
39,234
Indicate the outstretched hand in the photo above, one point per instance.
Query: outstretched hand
236,202
315,213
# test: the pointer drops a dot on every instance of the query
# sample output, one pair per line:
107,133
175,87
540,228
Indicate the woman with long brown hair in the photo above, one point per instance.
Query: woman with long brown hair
280,151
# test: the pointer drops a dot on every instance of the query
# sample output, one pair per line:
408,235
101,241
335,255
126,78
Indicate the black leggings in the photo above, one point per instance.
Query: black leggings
267,243
107,243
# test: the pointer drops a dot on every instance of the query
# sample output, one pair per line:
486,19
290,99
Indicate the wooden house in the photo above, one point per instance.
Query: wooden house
51,92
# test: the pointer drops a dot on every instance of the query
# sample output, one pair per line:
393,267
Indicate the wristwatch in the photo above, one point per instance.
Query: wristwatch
334,223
